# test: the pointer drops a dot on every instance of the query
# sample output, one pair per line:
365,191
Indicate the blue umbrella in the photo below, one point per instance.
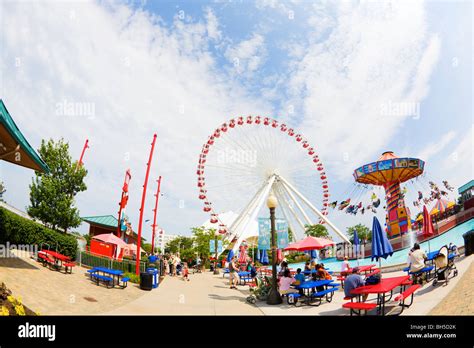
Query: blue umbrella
381,247
230,255
264,257
356,244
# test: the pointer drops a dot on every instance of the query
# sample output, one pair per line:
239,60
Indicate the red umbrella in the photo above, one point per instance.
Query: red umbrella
292,246
311,243
428,229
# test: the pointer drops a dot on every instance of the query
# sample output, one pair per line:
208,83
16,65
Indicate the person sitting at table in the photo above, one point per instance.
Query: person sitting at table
299,277
251,268
353,281
307,267
345,266
321,273
285,281
417,259
283,268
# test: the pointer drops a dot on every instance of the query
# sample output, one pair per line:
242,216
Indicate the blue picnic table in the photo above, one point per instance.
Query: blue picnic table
307,286
245,276
115,273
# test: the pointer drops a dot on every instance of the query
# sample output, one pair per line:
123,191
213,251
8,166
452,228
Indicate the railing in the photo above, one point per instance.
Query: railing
93,260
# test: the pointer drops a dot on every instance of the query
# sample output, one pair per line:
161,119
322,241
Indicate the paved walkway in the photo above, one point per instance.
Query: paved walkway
460,301
204,294
54,293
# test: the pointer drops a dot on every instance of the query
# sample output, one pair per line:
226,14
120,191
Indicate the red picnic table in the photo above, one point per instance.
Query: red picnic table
58,259
363,269
385,285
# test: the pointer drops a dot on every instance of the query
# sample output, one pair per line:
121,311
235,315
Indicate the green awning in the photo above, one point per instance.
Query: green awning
14,147
104,220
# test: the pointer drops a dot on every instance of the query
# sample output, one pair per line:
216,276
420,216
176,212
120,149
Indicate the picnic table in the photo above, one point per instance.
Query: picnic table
308,286
55,259
245,276
115,273
386,285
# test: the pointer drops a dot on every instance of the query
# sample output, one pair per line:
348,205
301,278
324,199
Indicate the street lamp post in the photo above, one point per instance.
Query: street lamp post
274,297
216,271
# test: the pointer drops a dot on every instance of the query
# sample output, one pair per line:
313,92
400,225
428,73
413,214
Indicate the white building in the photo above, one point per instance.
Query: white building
162,239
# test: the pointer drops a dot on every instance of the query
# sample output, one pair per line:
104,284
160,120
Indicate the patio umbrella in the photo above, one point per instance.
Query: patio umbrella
111,238
381,247
292,247
264,257
357,245
243,255
230,255
311,243
428,229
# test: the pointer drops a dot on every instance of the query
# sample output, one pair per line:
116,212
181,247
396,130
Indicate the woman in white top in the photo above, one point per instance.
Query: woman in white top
345,267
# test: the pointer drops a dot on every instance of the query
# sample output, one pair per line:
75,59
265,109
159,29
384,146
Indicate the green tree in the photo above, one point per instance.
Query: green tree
363,232
179,244
2,190
291,237
202,238
316,231
52,195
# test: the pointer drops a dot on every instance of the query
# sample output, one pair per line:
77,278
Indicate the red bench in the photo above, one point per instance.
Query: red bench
68,267
342,279
45,259
405,294
358,307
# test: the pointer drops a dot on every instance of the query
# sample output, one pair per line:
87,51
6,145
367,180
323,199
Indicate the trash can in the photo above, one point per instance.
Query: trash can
468,242
146,281
155,276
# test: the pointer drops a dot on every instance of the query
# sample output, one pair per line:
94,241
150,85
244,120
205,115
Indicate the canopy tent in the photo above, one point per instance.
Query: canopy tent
14,147
441,206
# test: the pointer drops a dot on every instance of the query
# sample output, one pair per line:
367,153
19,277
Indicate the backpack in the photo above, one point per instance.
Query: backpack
373,279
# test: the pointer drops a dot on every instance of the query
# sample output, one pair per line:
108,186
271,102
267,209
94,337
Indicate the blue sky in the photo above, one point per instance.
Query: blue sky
146,69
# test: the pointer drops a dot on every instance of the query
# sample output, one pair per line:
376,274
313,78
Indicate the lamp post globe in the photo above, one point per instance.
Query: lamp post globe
274,297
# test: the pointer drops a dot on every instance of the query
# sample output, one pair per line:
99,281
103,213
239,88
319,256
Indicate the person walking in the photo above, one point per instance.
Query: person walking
233,273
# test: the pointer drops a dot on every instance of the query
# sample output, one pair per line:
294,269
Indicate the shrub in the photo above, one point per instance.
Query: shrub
18,230
134,278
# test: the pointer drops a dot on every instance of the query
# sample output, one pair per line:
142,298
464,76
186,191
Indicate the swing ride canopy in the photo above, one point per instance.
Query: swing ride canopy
14,147
389,168
441,206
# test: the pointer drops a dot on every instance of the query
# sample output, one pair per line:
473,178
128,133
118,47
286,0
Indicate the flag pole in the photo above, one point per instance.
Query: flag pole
157,195
140,221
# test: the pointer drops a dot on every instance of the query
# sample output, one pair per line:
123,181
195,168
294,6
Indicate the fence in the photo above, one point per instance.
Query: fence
90,260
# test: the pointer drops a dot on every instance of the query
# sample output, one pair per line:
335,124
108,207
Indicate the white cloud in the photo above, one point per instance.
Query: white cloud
248,55
374,54
141,78
459,165
437,146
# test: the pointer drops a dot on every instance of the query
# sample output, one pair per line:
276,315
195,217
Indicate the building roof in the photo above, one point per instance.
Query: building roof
466,187
105,221
14,142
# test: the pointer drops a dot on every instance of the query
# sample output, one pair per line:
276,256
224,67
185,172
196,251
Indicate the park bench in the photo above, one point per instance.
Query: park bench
100,278
358,307
328,294
405,294
124,281
68,267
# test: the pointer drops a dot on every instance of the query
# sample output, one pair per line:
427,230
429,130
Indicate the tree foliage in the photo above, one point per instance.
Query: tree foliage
52,195
2,190
363,232
316,231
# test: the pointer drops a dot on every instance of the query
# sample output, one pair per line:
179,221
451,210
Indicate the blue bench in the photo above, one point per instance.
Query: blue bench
100,278
226,271
328,294
333,284
417,276
124,282
292,298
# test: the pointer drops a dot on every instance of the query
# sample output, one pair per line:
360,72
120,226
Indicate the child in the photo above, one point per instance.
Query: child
299,277
186,272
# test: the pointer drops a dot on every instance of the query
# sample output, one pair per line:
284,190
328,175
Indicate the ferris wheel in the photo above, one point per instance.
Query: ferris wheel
245,159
